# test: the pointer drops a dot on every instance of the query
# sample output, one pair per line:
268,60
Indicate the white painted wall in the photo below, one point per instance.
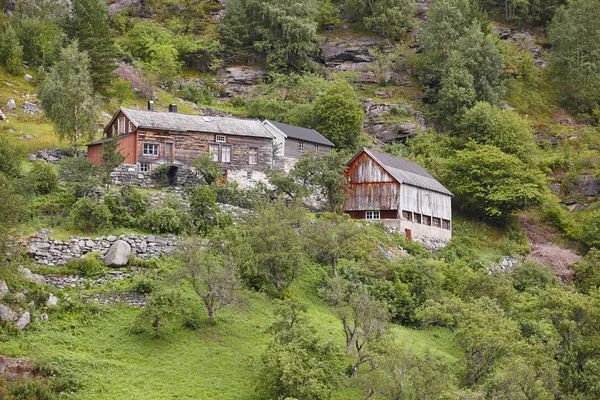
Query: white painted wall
425,202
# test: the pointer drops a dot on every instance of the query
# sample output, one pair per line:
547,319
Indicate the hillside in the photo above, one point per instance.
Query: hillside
499,102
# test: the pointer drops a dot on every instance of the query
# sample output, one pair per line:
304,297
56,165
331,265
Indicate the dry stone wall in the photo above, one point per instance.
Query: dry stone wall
48,251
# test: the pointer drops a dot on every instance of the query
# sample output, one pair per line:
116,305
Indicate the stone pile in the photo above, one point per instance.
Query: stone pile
52,155
431,243
47,251
376,126
73,281
506,264
109,298
20,320
31,108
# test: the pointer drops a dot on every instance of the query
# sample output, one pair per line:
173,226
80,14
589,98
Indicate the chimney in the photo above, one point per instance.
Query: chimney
173,108
150,105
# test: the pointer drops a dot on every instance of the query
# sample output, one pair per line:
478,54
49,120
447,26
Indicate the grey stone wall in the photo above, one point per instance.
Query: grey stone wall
47,251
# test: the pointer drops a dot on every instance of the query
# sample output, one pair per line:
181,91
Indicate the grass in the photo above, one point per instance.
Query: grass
213,362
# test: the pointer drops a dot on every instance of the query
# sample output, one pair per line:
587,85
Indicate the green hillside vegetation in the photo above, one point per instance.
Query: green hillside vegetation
274,301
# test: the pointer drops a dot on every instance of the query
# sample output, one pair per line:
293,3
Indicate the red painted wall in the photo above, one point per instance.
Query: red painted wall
127,147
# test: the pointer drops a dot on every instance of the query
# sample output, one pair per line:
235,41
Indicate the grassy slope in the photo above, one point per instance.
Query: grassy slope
212,362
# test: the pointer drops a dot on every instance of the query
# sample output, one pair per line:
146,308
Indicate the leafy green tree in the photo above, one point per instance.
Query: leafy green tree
161,310
209,169
331,238
323,173
362,317
390,18
492,183
587,273
575,58
297,363
79,174
213,275
111,158
88,215
276,251
284,31
203,208
487,124
68,99
88,24
11,51
10,159
338,115
44,177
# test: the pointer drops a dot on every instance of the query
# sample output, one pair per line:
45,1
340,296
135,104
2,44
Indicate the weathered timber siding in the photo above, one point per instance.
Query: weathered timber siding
115,123
425,202
372,196
371,188
292,148
365,170
127,147
187,146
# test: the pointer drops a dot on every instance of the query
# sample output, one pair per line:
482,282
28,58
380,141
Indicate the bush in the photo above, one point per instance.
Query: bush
144,284
531,275
160,175
90,266
28,389
127,207
164,219
57,203
87,215
44,177
203,208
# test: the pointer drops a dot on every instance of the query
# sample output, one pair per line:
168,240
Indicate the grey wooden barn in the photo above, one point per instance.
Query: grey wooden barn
399,193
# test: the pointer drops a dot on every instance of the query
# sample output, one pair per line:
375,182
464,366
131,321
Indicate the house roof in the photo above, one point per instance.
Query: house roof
404,171
105,139
296,132
173,121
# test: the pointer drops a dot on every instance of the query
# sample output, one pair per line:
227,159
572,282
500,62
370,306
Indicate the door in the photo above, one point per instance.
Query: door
169,152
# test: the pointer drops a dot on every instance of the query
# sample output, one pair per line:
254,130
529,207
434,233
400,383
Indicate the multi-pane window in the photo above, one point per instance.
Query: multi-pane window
253,155
214,151
436,222
316,148
407,215
446,224
130,127
150,149
225,153
144,167
220,138
300,145
372,215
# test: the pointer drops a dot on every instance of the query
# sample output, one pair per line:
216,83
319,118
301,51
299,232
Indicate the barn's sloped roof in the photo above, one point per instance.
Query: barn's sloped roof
296,132
173,121
405,171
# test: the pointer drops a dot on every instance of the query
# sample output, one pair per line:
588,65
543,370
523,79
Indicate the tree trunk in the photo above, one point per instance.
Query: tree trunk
369,394
334,266
355,370
348,346
75,143
211,315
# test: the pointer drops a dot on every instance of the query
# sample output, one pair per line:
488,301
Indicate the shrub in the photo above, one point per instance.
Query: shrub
161,175
203,208
87,215
127,207
27,389
144,284
164,219
90,266
43,177
57,203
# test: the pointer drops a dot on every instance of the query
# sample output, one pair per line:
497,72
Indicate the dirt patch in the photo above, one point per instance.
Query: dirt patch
560,260
15,368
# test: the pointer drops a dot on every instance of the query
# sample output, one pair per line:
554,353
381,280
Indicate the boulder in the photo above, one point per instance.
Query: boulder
23,320
3,289
118,254
245,75
11,104
31,108
28,77
3,117
26,272
52,300
588,185
6,314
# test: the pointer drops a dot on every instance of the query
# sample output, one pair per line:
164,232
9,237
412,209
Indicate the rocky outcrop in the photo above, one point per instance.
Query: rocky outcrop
6,314
118,254
53,155
3,289
47,251
12,105
506,264
31,108
23,320
30,276
377,126
525,42
343,54
588,185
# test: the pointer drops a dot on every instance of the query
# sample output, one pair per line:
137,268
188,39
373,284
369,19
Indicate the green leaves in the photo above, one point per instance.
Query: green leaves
390,18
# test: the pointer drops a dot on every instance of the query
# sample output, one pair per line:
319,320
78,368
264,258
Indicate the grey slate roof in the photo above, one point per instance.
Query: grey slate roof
296,132
405,171
172,121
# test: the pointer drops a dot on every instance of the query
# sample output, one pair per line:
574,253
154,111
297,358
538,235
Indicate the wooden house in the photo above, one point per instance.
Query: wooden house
291,142
398,192
150,138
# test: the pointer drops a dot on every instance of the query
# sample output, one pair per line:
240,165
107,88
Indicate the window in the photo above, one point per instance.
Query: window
407,215
372,215
417,218
300,145
121,125
436,222
113,129
150,149
253,155
144,167
130,127
213,149
426,220
316,148
225,153
220,138
446,224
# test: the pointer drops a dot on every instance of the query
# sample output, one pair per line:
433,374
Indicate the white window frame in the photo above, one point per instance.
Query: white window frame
226,155
144,167
155,149
213,150
121,125
220,138
300,145
373,215
253,155
130,127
